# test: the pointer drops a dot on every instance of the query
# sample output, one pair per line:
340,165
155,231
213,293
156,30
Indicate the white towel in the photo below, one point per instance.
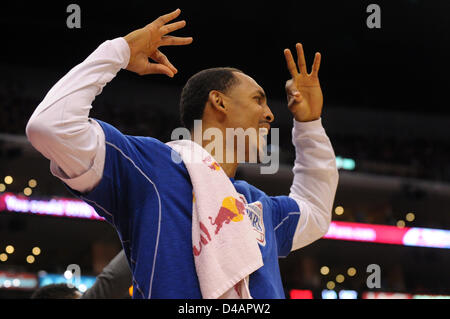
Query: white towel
224,247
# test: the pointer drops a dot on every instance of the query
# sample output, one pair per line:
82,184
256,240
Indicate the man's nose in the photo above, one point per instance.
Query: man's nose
268,115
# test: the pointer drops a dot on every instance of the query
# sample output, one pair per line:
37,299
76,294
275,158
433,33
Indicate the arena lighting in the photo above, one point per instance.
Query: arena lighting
410,217
396,295
36,251
81,282
324,270
345,163
8,180
68,274
9,249
340,278
339,210
385,295
406,236
331,285
348,294
3,257
300,294
27,191
82,288
32,183
343,294
62,207
351,271
18,280
401,223
329,294
431,297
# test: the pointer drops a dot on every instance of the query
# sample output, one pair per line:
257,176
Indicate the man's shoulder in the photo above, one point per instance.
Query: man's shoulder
114,136
248,189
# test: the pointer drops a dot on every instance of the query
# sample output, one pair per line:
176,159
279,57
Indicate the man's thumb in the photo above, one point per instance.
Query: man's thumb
157,68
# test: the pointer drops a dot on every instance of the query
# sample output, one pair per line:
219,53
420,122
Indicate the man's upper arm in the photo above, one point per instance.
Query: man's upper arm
112,174
132,172
60,127
91,177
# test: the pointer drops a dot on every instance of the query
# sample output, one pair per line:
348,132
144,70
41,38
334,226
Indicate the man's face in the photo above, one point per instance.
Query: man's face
247,109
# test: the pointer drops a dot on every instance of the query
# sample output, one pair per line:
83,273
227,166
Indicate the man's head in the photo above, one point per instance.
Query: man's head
224,98
56,291
196,92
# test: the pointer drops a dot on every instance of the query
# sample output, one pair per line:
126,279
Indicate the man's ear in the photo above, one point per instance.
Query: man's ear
216,99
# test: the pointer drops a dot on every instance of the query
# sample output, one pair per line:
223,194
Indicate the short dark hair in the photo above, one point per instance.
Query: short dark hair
55,291
196,91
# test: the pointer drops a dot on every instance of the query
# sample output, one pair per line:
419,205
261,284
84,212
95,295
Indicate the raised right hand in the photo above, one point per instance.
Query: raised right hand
305,99
144,44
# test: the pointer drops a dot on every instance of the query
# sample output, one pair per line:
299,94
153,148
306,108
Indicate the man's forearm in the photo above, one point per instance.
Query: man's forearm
315,181
60,128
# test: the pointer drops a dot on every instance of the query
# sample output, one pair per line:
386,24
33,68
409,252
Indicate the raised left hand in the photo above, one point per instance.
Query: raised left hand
305,99
144,43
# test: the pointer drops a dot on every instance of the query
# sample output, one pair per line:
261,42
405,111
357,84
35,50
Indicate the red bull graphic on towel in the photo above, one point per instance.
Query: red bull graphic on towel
231,210
203,241
211,163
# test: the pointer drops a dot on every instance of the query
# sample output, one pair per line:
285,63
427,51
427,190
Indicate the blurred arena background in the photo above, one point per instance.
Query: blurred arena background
386,112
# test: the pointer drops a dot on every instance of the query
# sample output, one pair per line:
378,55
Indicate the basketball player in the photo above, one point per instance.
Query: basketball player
133,182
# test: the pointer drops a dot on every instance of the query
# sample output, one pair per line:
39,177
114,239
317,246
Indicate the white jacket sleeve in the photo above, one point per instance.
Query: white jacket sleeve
60,127
315,181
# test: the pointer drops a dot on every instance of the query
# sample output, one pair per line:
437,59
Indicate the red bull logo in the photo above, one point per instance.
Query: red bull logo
231,210
211,163
214,166
203,241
